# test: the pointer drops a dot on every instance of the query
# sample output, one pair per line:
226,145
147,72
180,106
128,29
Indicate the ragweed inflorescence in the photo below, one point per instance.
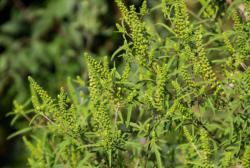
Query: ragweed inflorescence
176,95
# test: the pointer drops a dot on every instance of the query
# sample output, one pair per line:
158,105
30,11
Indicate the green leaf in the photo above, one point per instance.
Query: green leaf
22,131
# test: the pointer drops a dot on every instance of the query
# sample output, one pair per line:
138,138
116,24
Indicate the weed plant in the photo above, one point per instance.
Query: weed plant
180,97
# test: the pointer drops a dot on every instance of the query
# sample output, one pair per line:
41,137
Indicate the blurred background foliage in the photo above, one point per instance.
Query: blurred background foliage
46,39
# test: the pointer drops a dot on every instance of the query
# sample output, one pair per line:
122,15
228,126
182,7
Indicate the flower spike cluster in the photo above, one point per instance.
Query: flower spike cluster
139,34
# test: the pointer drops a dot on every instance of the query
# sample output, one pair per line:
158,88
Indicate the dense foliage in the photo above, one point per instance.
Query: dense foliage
45,35
179,97
37,38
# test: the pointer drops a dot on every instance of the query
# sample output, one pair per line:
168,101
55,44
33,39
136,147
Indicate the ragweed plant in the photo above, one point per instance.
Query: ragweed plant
179,97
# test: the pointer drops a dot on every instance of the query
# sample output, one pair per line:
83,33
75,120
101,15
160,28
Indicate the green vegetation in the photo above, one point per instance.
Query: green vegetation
38,38
46,36
178,96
